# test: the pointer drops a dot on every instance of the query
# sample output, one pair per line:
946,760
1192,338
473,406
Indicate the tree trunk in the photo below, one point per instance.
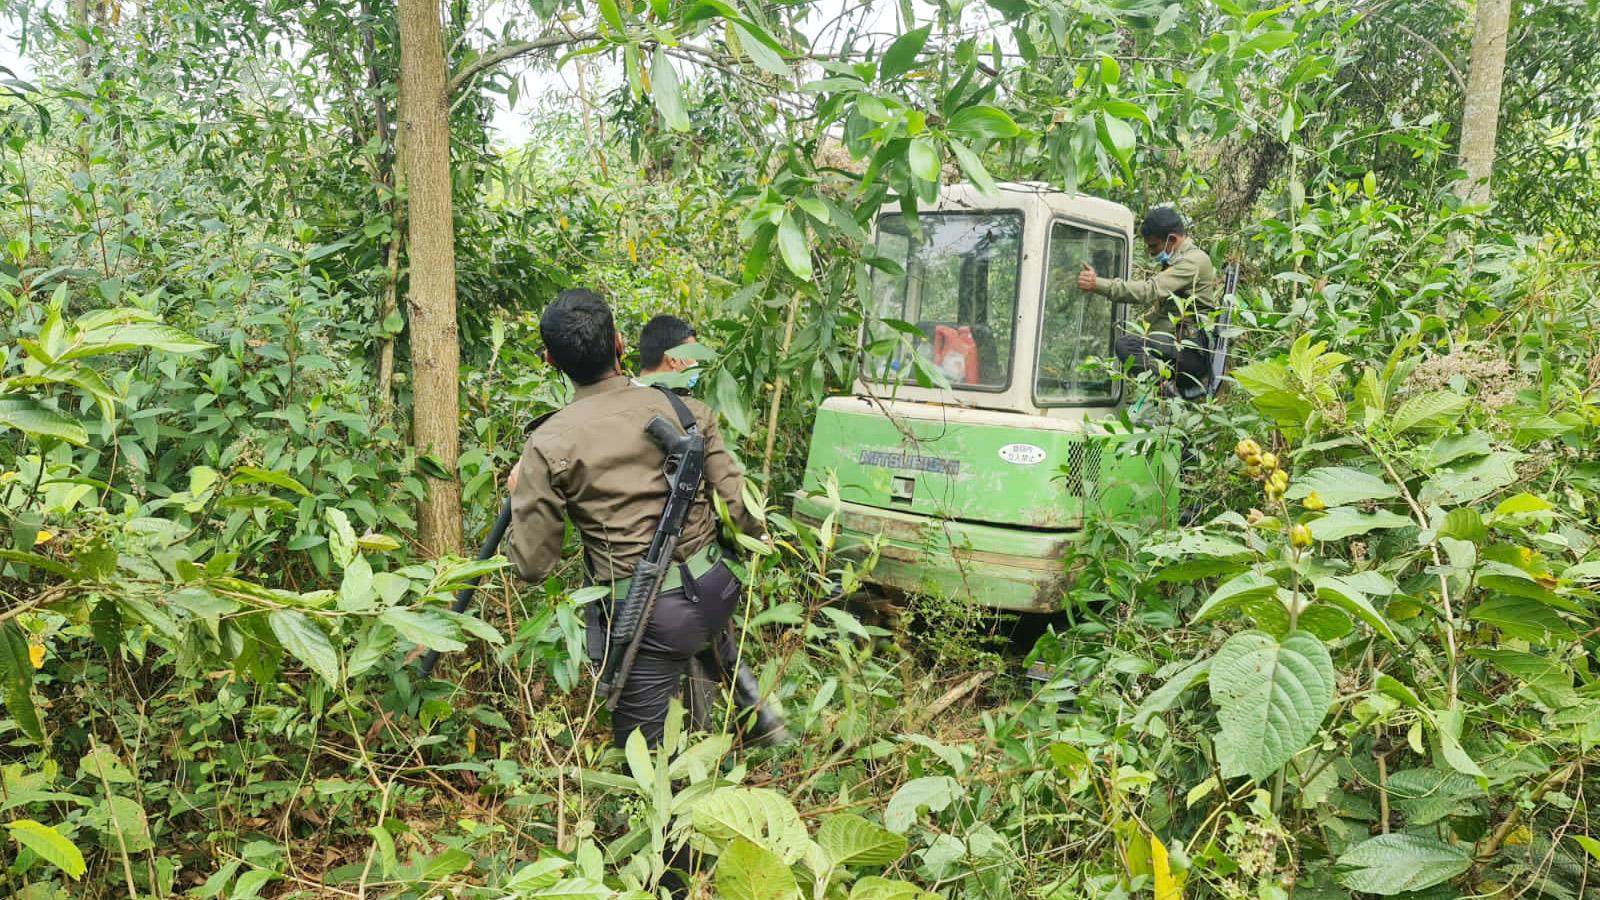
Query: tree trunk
431,253
1480,111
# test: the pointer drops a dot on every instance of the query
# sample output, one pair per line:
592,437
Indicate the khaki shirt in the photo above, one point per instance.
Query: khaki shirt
593,463
1190,274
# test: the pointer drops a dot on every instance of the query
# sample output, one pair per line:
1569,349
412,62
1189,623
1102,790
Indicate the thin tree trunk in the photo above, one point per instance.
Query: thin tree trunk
1480,111
397,211
431,253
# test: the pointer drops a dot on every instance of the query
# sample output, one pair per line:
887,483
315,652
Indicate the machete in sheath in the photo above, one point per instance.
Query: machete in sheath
684,468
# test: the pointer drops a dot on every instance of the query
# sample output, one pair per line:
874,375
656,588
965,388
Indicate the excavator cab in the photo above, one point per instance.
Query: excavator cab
983,430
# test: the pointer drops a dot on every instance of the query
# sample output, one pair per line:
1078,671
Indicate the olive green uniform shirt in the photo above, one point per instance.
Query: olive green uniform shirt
593,463
1189,275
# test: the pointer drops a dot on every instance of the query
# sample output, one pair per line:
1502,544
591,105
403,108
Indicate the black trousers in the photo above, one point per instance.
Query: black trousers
1188,361
686,621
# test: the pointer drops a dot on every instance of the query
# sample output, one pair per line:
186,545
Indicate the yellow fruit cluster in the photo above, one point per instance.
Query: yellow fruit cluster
1262,465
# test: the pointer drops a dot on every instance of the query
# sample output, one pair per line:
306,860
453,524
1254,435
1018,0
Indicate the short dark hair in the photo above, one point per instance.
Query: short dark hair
1161,222
580,335
661,334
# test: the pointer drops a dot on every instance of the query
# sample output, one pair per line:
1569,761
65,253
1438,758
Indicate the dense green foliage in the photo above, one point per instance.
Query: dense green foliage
1374,674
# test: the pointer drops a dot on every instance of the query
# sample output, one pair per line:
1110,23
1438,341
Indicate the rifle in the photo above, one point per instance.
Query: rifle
684,468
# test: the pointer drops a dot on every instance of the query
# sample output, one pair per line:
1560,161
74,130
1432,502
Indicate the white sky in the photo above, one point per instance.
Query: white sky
541,83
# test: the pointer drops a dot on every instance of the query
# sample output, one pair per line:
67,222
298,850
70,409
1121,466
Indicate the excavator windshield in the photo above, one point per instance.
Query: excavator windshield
953,305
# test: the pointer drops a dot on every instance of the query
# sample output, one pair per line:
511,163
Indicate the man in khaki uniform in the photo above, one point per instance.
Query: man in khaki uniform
592,462
1177,299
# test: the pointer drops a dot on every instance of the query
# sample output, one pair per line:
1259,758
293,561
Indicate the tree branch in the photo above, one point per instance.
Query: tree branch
512,51
1448,63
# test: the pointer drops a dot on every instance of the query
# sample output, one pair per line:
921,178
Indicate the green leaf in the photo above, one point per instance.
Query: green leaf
1347,596
136,336
253,475
1118,137
666,92
37,561
1391,864
51,846
977,123
33,418
875,887
850,840
1340,486
1271,699
1424,796
1464,524
576,889
101,764
792,244
1236,592
1161,699
122,825
760,53
1110,71
759,815
1346,521
1521,504
541,873
902,54
1433,410
1449,723
1520,617
1269,42
426,627
935,792
612,15
923,158
16,670
1471,482
1589,844
972,166
746,871
341,537
306,642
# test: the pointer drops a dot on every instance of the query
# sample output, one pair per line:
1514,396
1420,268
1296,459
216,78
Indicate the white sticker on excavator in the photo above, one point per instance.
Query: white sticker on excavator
1022,454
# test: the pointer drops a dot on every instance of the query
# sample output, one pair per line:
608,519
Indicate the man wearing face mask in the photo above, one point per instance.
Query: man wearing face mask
656,364
1178,299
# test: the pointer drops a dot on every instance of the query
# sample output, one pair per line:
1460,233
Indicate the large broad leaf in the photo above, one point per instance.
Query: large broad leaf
746,871
425,627
51,846
761,816
853,841
935,792
1235,592
1520,617
33,418
902,54
1548,678
16,679
794,248
666,91
122,825
1434,410
1394,863
306,642
983,123
1162,698
1471,481
575,889
1346,521
1347,595
1340,486
1424,796
1271,699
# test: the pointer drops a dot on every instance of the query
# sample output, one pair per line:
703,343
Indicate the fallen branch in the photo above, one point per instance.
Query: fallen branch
950,698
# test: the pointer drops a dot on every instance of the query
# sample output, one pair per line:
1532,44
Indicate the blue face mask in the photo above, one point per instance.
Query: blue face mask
1164,258
694,376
